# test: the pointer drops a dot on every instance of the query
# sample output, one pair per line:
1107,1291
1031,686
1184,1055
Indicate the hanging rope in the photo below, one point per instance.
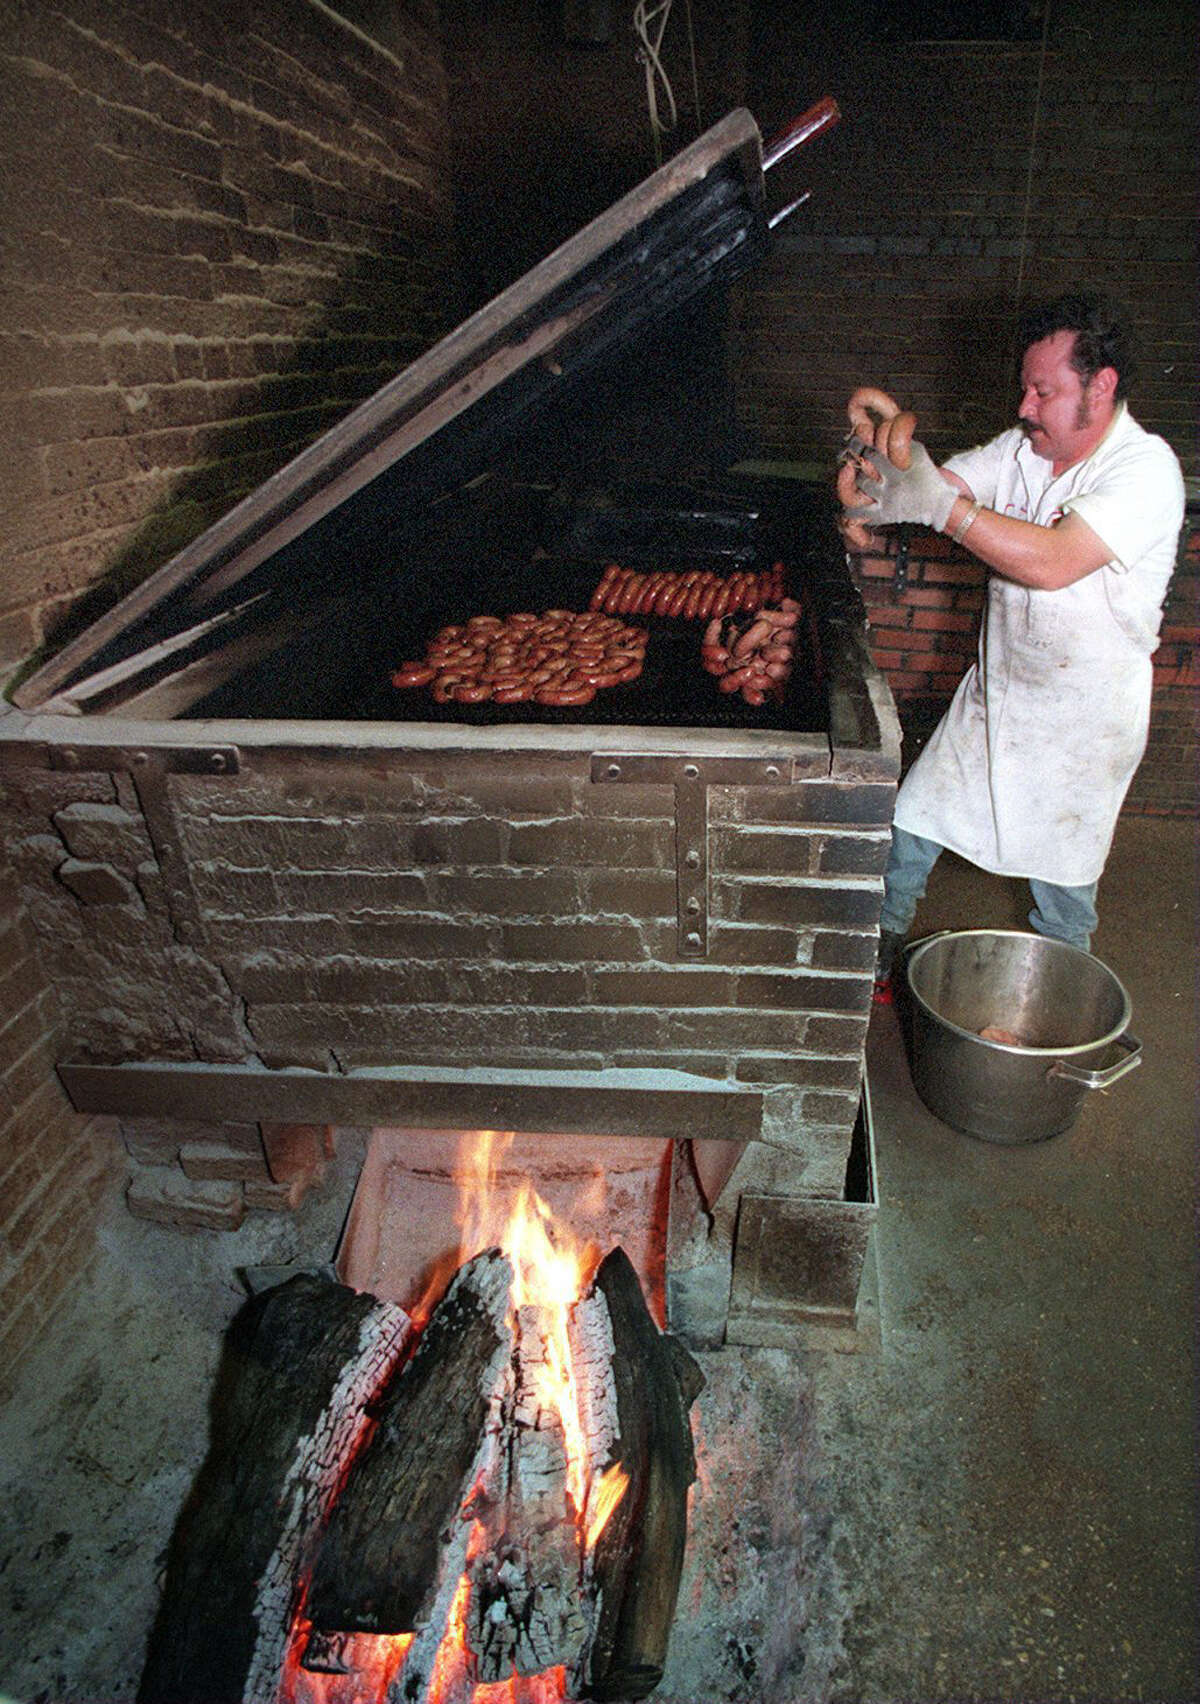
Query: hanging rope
695,78
1033,137
645,18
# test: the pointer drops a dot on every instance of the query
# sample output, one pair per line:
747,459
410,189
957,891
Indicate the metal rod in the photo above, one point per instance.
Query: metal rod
823,115
778,218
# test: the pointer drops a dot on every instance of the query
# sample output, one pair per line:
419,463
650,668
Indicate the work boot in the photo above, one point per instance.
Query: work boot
891,945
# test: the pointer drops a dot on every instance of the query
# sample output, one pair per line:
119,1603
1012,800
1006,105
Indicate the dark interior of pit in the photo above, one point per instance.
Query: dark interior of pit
543,548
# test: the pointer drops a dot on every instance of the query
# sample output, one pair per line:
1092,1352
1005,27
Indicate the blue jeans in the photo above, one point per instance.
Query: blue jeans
1063,913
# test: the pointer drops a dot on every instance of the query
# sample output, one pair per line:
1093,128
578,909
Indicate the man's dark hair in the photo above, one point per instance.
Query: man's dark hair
1103,334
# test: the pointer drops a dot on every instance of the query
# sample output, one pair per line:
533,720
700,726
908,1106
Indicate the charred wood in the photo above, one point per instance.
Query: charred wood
460,1498
298,1365
638,1558
381,1556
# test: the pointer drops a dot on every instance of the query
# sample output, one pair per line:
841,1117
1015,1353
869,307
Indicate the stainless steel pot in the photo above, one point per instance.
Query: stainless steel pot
1068,1013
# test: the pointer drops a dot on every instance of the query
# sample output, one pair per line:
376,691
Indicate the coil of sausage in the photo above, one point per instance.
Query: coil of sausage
561,658
752,657
865,404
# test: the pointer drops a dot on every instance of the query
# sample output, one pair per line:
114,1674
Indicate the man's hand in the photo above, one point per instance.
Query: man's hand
917,494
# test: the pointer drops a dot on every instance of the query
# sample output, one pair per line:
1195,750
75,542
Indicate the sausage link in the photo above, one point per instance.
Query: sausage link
899,440
677,597
561,696
650,593
866,401
665,595
601,592
855,531
708,598
723,602
755,635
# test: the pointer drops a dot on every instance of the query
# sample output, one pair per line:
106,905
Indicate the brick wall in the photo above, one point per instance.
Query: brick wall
924,597
226,225
463,912
1168,782
966,179
54,1165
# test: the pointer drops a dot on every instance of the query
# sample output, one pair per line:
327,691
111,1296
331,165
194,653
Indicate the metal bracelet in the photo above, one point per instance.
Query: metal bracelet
960,532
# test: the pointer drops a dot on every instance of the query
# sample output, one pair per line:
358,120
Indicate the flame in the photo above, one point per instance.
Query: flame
452,1676
451,1664
551,1269
607,1492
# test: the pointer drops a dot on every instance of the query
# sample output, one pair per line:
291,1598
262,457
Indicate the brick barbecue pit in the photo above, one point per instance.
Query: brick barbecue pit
265,899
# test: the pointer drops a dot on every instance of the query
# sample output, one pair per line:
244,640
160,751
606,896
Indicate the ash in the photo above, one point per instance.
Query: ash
105,1426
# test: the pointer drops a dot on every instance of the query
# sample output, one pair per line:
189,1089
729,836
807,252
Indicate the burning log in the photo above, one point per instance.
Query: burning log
639,1555
384,1539
510,1501
543,1581
301,1365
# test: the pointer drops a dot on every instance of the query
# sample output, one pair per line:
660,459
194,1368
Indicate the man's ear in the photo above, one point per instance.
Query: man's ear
1103,384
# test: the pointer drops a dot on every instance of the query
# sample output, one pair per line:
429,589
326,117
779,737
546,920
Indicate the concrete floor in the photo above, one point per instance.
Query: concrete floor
995,1503
1016,1469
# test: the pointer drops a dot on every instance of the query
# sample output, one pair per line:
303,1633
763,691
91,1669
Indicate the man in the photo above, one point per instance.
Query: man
1076,511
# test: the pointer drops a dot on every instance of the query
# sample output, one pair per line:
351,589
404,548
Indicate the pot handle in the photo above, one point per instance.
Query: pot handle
1102,1079
910,947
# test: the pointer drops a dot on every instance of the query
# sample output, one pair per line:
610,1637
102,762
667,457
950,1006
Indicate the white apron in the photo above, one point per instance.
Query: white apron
1026,772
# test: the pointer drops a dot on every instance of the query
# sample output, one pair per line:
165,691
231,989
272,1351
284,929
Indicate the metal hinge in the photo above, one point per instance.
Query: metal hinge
148,767
691,778
167,760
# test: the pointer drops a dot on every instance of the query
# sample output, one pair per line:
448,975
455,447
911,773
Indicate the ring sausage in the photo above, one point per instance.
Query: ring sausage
560,696
414,674
898,444
866,401
855,533
755,635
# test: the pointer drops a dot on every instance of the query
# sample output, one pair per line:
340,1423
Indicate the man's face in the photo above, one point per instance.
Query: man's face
1063,418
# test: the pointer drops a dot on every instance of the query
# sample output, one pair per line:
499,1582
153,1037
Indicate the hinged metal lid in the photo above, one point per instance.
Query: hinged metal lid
433,427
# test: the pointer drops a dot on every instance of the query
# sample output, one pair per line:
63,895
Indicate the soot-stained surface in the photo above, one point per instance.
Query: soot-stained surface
994,1503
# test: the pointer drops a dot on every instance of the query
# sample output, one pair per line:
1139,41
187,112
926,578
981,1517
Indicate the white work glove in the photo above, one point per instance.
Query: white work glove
917,493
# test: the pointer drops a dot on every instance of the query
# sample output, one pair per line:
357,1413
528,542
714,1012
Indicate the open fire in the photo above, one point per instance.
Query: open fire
547,1389
490,1507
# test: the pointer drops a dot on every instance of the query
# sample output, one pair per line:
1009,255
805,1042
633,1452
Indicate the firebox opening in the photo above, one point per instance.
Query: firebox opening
402,1239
